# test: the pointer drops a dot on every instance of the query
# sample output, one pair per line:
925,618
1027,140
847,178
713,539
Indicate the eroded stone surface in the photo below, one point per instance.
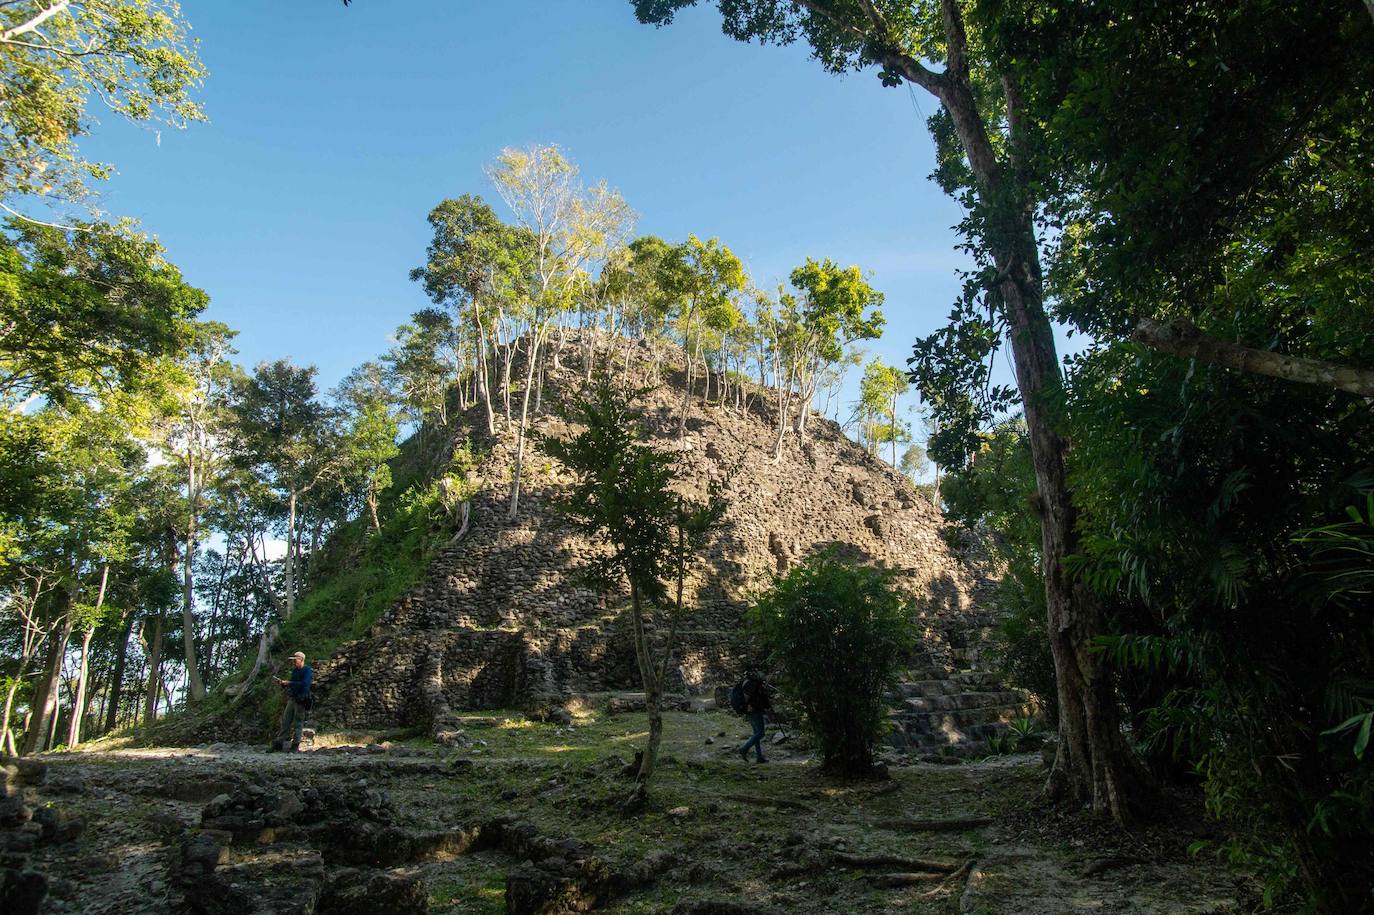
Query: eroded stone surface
503,618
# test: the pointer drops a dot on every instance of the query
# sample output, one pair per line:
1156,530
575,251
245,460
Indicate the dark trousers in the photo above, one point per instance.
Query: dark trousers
292,720
755,719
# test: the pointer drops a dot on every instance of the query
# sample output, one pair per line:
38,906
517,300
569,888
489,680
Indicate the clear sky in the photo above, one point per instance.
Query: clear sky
301,206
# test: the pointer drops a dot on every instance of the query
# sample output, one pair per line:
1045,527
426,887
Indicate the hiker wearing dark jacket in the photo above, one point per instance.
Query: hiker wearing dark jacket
757,705
297,704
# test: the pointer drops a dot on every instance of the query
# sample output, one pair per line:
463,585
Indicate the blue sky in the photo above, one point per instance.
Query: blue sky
301,206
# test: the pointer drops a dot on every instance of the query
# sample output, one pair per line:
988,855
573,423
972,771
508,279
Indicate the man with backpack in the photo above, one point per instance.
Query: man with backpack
750,698
298,704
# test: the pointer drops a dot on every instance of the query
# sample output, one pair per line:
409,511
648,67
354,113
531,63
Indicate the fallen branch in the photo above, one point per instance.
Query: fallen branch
959,876
865,862
892,881
906,870
957,824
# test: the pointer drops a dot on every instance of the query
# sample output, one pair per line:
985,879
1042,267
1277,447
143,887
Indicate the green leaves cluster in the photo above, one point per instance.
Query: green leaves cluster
838,633
135,56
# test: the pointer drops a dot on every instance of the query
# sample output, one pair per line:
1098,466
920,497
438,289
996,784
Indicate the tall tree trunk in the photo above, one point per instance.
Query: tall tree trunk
514,506
653,699
79,704
289,566
893,417
7,738
372,507
117,676
506,357
7,735
558,345
79,701
195,686
44,703
686,398
483,372
784,384
539,390
152,648
1093,764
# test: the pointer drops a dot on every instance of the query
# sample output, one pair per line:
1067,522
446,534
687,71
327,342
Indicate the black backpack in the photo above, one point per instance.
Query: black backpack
739,703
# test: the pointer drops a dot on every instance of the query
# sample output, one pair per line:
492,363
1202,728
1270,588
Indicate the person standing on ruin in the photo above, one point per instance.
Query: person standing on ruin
298,703
757,705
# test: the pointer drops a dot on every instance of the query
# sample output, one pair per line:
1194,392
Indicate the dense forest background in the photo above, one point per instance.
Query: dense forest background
1185,507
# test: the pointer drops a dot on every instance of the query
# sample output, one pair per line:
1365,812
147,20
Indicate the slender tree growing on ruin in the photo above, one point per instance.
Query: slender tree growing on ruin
624,495
566,227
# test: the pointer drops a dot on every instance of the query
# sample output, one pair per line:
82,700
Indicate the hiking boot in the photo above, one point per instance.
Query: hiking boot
274,748
760,760
744,754
295,748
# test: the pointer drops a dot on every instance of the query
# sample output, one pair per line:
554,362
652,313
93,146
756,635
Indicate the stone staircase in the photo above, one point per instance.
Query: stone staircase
944,712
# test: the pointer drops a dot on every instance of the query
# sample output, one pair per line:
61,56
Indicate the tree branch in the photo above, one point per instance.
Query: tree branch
1183,338
888,54
26,27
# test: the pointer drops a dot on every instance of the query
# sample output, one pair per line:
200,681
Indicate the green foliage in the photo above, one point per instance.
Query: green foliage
1021,641
993,494
915,464
1003,744
134,55
623,491
1024,728
1216,530
87,312
369,574
838,306
623,497
879,390
624,494
838,633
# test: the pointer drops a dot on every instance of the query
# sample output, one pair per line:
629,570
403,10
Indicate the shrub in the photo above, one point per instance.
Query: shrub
837,633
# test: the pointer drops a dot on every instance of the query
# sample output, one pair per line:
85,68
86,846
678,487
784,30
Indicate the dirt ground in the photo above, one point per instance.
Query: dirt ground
717,835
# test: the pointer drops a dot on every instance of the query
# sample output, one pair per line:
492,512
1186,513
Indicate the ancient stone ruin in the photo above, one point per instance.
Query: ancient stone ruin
502,618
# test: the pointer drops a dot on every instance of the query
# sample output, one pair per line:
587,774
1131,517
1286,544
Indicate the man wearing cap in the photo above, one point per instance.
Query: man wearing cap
297,704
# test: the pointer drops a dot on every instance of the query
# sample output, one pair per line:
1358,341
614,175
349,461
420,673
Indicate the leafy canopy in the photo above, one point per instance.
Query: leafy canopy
86,311
55,55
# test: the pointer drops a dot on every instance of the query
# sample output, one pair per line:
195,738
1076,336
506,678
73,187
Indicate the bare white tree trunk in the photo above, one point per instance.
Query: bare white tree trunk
79,703
514,507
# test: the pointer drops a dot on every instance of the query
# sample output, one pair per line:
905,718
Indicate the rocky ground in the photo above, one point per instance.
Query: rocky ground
532,818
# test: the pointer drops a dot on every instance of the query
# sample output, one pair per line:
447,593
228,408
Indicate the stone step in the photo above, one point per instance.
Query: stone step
933,687
962,701
969,739
977,678
937,722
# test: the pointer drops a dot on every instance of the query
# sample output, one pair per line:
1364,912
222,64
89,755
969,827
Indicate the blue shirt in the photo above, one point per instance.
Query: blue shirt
299,689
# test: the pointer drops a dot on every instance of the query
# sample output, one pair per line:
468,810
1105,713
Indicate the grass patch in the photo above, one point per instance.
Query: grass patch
470,885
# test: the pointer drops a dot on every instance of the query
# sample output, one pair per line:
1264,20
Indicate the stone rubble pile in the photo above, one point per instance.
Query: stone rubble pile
503,618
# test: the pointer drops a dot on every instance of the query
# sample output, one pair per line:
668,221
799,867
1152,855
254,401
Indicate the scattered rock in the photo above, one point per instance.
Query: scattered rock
22,892
57,826
561,716
356,892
